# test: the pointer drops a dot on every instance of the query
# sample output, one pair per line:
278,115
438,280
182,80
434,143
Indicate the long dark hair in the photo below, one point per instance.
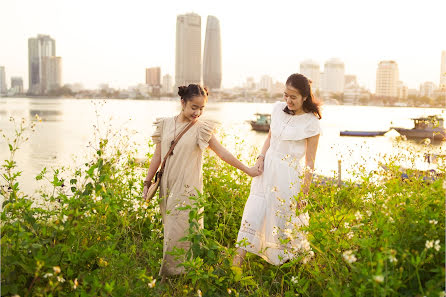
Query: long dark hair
303,85
192,90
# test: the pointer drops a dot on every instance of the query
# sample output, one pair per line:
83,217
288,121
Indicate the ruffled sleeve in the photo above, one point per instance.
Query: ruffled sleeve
156,136
205,130
304,126
313,127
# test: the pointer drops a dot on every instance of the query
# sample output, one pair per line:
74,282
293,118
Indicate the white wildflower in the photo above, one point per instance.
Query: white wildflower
97,198
378,278
392,259
152,283
346,225
434,222
295,280
75,284
229,291
437,245
334,229
429,244
349,256
60,279
350,235
308,257
305,244
199,293
56,269
274,231
368,212
288,233
358,216
47,275
391,220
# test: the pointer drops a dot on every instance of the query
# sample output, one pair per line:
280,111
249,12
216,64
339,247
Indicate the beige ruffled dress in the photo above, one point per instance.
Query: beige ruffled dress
182,178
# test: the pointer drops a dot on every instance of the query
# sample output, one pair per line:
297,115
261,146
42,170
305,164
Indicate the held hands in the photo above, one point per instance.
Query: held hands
253,171
259,164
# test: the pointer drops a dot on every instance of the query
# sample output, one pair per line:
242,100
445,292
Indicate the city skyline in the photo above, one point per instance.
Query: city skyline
105,51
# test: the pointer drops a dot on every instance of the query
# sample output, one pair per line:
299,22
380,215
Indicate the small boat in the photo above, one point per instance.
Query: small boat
431,127
262,122
363,133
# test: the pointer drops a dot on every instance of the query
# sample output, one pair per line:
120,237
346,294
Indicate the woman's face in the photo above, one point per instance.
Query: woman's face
194,108
293,98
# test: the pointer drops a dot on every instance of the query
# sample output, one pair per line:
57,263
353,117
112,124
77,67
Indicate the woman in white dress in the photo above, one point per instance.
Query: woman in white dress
270,224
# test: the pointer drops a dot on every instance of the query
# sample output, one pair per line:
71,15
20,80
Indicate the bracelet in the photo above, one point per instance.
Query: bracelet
261,155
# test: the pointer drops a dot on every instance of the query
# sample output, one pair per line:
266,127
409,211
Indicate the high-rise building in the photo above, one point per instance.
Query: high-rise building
349,78
17,85
443,71
387,77
402,90
43,77
266,83
188,50
51,73
334,76
427,89
153,76
3,87
167,84
311,70
212,72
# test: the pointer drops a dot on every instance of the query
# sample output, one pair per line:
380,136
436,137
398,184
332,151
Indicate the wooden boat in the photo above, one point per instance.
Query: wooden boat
363,133
425,127
262,122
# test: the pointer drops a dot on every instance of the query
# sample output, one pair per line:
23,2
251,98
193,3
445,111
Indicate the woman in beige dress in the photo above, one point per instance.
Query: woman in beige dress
182,175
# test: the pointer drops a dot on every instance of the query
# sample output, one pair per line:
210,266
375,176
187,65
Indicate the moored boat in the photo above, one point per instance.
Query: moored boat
431,127
362,133
262,122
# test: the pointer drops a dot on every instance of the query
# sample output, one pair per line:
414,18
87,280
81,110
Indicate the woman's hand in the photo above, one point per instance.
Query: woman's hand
145,190
259,164
253,171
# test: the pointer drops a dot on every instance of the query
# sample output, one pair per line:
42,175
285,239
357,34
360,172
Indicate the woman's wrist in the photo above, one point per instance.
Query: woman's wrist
147,183
261,156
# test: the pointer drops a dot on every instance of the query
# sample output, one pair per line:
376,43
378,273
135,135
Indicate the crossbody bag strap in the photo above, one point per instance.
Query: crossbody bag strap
172,146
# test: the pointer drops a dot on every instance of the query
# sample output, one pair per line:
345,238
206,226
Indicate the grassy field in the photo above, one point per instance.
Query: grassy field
90,234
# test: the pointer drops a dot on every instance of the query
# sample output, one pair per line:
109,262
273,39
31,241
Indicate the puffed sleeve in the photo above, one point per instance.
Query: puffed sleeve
305,126
205,130
156,136
313,127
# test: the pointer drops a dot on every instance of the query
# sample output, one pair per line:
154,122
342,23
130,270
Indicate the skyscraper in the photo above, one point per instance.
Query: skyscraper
334,76
17,85
153,76
51,73
387,77
45,69
443,71
212,72
188,50
311,70
3,87
167,84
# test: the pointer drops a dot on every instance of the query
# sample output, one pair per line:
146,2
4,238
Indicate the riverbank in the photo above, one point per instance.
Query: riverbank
93,235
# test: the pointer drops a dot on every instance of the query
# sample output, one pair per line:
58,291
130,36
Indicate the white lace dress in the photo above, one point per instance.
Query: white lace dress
270,226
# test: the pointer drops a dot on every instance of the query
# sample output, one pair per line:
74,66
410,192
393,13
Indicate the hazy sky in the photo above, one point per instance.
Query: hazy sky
114,41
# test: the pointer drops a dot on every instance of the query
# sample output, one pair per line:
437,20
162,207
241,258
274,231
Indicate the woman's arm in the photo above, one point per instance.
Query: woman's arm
310,157
229,158
153,167
261,157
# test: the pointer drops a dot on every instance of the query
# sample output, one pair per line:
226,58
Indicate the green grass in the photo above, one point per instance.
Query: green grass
99,238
